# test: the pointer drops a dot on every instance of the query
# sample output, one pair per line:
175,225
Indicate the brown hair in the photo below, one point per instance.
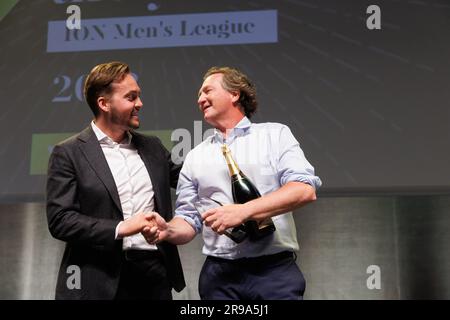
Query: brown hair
99,81
234,80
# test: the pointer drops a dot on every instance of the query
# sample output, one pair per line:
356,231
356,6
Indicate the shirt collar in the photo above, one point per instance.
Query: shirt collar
239,130
103,137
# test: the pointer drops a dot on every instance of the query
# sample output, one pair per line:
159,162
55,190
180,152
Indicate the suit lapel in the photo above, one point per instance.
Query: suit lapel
91,149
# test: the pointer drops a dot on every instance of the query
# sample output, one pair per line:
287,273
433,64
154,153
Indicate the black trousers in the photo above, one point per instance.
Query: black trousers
272,277
143,277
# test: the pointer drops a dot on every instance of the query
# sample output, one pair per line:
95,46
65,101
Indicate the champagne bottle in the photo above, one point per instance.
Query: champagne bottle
243,191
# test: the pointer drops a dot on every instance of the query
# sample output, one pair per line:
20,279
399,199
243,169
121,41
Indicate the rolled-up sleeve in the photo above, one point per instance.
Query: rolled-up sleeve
187,194
292,164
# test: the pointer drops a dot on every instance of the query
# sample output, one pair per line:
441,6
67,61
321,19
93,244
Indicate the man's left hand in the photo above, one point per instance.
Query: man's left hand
222,218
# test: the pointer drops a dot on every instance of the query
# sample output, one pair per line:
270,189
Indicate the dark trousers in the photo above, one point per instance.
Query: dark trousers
143,277
273,277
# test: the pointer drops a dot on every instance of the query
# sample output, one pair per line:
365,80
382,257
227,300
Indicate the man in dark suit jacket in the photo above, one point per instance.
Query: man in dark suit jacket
104,185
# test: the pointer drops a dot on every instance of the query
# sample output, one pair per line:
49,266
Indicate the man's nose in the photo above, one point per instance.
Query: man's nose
139,103
201,100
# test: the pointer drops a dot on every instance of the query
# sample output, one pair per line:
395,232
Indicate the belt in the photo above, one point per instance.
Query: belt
267,259
135,255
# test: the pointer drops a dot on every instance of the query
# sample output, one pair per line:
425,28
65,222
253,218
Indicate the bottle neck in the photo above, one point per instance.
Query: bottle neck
232,165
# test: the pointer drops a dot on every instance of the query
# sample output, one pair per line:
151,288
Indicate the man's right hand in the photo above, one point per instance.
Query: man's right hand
137,223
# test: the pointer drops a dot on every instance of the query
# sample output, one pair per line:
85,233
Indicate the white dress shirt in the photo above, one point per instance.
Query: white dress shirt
132,181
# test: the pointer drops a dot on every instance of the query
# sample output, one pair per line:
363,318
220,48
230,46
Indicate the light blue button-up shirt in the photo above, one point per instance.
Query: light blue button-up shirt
270,156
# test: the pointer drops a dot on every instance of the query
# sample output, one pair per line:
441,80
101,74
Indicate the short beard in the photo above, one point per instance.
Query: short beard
131,125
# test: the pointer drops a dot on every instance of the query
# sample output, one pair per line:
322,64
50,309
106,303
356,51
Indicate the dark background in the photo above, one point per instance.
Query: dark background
369,107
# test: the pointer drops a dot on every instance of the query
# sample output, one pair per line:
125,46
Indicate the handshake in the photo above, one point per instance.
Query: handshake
151,225
155,229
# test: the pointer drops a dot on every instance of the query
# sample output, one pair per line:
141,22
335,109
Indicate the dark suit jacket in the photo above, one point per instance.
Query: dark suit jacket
83,209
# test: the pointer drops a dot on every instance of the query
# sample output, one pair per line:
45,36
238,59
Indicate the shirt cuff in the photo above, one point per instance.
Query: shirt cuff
313,181
116,237
195,224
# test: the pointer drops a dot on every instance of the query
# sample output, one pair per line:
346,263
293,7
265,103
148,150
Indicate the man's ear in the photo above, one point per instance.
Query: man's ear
235,95
103,104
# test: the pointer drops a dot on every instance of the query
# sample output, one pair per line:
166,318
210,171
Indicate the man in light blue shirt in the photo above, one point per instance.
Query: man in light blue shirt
270,156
